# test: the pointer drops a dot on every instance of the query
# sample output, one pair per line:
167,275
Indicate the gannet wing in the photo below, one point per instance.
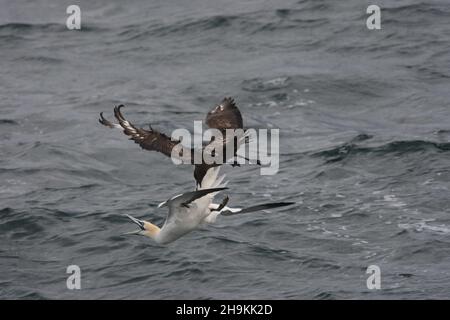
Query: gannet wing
200,171
151,139
232,211
222,209
184,199
210,178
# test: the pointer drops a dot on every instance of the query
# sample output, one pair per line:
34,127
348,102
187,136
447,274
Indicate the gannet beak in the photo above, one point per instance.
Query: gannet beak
135,232
140,223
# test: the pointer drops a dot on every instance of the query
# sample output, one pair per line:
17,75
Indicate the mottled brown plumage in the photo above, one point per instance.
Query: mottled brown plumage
224,116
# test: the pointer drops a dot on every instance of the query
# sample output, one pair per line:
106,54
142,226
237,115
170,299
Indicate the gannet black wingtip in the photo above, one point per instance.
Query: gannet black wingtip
259,207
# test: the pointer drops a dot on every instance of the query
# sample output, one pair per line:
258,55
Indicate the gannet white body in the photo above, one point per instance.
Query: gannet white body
189,210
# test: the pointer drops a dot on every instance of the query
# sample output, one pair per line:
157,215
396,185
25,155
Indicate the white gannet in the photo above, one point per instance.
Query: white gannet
222,117
189,210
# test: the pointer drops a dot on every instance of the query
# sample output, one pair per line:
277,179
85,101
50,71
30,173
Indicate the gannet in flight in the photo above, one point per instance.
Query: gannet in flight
224,116
189,210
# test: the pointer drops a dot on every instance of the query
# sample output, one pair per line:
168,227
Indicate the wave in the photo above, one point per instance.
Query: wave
50,26
16,26
39,59
420,8
261,85
6,211
8,122
400,147
246,23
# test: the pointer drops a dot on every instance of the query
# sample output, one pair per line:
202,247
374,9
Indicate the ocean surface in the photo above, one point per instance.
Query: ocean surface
364,119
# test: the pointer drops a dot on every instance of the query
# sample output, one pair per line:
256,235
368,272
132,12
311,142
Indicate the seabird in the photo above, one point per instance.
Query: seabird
224,116
189,210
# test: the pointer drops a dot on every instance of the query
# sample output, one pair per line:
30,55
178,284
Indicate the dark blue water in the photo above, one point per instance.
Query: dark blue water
365,148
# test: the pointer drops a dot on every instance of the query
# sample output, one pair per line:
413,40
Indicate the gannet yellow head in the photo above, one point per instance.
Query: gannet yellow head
145,228
150,230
